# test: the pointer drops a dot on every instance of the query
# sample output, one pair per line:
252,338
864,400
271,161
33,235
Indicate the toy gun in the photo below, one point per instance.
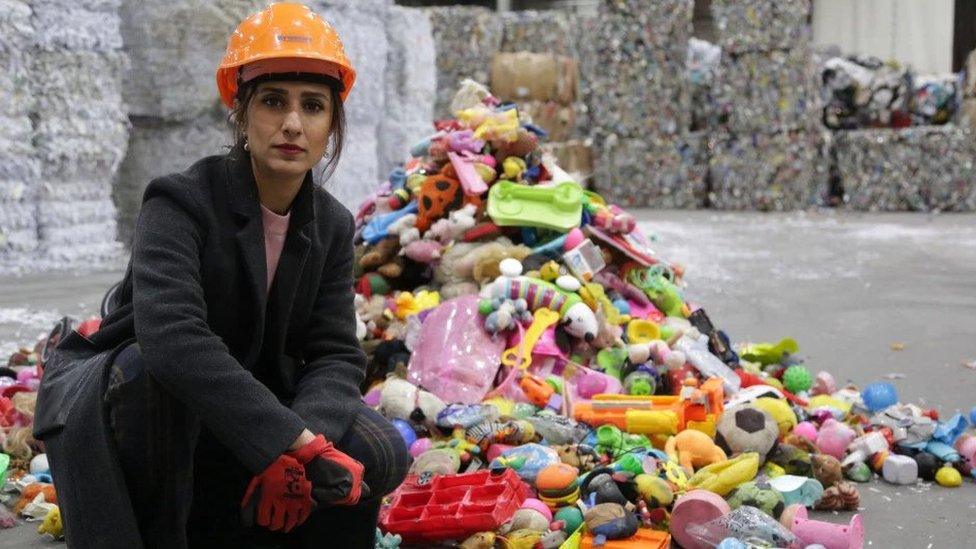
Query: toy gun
694,408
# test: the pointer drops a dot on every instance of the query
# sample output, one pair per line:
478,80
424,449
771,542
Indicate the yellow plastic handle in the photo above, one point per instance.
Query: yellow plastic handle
520,356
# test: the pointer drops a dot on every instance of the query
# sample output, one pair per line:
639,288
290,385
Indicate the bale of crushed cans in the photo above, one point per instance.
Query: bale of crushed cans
918,169
556,383
761,25
772,172
667,172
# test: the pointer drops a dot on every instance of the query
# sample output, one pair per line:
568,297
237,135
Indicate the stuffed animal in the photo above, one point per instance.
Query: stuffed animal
423,251
693,449
449,229
485,260
827,469
575,316
525,518
400,399
382,258
608,521
405,229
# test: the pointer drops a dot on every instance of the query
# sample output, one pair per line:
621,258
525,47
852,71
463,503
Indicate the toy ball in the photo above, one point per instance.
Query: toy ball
538,506
806,430
419,446
405,430
928,464
746,428
759,495
781,412
948,477
572,518
879,395
797,379
834,437
39,464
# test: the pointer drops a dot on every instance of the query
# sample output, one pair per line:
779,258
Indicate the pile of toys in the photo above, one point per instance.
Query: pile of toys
554,383
556,388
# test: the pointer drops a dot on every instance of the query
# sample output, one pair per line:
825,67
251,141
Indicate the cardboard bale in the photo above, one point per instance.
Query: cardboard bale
913,169
410,83
559,121
526,76
466,39
574,156
761,25
770,172
668,172
547,31
767,91
632,72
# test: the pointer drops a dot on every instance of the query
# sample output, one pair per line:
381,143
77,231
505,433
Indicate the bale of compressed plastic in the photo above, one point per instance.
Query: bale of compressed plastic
632,71
548,31
410,83
466,40
703,63
19,169
864,92
770,172
69,25
667,172
918,169
761,25
159,148
768,91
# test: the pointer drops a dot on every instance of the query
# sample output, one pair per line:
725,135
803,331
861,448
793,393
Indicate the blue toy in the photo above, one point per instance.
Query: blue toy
405,430
378,228
879,395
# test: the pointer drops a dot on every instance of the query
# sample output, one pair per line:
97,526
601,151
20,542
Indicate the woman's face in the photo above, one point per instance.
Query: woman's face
288,126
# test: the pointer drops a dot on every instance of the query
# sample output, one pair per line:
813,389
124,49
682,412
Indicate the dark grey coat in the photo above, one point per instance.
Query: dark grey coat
256,370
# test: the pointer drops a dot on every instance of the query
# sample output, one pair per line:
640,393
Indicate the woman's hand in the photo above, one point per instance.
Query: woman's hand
337,478
302,440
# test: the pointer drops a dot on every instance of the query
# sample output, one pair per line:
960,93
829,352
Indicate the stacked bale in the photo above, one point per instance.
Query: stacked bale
19,169
81,127
967,110
767,95
466,39
639,109
410,82
175,111
929,168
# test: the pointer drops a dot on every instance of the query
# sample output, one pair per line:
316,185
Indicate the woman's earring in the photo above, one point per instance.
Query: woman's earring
247,146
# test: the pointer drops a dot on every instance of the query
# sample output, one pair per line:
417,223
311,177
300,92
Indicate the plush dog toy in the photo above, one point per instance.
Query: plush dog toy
693,449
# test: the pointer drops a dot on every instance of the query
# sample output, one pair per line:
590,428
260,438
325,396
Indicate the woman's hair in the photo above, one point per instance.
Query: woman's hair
337,134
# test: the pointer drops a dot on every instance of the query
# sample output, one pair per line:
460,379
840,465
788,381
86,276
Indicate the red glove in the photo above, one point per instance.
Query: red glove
282,495
336,478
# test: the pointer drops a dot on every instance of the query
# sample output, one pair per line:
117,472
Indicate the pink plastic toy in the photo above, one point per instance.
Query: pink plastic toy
834,437
588,383
455,358
420,446
574,238
966,446
471,181
831,536
542,508
806,430
696,507
823,384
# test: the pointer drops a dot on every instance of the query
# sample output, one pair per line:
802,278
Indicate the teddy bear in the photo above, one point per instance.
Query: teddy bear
400,399
451,228
382,258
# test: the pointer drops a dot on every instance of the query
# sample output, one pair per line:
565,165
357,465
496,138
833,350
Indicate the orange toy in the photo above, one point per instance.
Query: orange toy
31,491
693,449
694,408
439,195
645,538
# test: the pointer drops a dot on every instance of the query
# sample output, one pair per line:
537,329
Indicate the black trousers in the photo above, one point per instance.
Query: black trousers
184,484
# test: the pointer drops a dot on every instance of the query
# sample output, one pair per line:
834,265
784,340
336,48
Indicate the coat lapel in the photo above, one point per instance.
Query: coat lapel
245,202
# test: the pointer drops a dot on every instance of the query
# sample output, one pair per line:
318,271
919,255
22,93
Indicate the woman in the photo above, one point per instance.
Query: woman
229,410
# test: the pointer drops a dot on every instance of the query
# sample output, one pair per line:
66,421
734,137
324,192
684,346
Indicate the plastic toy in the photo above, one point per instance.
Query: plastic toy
520,356
768,353
52,524
454,357
405,430
879,395
693,450
797,379
471,181
806,430
4,463
694,345
830,536
780,411
721,478
378,227
527,460
694,408
823,384
654,490
437,461
826,469
557,484
927,465
794,489
659,288
758,494
695,507
558,208
948,476
452,506
864,447
577,319
834,437
965,445
644,538
387,541
900,469
743,523
654,349
584,261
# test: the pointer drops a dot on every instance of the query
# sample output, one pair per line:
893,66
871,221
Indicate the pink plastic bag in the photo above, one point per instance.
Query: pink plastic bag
455,358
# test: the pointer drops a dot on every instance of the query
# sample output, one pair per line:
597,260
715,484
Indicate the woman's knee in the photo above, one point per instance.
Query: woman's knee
379,447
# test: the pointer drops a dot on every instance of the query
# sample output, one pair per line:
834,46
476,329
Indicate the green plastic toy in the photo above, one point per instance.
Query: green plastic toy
797,379
659,288
767,353
559,208
4,463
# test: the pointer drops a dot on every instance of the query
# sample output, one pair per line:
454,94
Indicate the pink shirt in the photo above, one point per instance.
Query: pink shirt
275,229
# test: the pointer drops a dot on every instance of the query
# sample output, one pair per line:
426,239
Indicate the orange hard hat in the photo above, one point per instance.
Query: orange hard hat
289,34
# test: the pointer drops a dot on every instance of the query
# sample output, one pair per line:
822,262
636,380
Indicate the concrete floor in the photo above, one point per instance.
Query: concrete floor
846,286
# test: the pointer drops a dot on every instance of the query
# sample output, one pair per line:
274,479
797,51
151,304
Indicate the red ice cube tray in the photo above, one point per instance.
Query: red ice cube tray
452,506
